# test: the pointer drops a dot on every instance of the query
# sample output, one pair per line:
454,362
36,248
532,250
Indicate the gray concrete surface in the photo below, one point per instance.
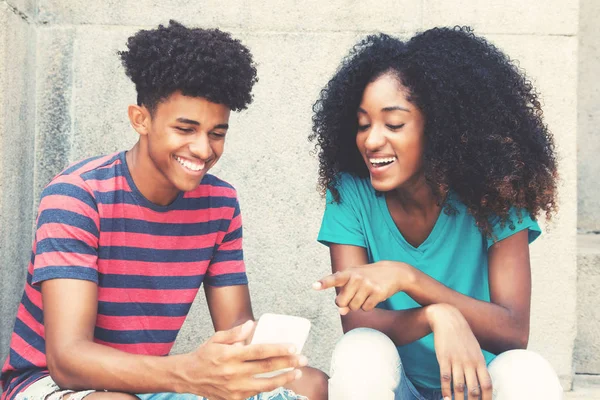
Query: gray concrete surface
588,135
17,125
585,387
587,345
82,95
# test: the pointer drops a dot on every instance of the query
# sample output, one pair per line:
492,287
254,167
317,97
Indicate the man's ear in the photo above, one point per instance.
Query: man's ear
140,118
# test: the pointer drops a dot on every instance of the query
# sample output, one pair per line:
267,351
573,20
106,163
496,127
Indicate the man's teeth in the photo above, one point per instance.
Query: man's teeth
381,160
190,165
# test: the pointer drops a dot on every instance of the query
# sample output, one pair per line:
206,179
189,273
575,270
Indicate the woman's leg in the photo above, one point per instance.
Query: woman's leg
365,365
523,374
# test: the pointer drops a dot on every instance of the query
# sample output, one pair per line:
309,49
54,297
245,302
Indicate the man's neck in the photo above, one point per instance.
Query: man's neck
148,179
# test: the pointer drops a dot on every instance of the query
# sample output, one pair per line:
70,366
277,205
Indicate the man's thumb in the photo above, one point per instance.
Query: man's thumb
236,334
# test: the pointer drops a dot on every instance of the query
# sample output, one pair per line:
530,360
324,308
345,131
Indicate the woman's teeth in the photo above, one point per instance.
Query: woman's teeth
379,162
189,164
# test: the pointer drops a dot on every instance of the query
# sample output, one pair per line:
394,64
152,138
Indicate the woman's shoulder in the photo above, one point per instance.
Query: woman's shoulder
353,188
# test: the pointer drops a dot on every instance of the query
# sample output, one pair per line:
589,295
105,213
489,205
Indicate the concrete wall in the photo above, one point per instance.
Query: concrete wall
588,138
82,94
587,346
17,127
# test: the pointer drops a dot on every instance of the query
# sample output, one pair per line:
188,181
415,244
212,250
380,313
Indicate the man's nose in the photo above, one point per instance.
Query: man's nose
200,147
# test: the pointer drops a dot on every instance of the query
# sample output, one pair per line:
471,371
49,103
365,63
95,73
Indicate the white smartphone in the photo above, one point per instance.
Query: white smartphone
278,328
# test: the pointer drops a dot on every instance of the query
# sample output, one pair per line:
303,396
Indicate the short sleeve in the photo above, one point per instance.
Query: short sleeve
227,266
341,222
519,219
67,232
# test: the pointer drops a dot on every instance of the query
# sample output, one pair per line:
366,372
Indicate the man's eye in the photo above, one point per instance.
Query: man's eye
218,135
186,130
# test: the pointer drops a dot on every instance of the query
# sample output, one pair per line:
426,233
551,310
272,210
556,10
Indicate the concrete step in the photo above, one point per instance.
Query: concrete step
586,354
585,387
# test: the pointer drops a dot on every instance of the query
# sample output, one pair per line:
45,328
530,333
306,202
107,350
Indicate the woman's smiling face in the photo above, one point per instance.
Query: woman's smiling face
390,134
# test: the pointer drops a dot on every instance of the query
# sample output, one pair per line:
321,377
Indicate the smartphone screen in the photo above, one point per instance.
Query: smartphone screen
278,328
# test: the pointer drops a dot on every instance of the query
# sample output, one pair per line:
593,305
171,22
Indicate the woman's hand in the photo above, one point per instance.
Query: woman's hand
462,364
365,286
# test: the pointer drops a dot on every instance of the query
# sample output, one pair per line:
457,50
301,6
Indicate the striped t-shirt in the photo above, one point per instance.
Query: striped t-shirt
148,261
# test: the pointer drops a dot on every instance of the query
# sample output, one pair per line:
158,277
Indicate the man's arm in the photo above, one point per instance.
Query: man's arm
229,306
216,369
76,362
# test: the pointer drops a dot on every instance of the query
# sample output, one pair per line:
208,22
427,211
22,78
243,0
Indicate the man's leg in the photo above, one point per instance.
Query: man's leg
312,384
523,374
47,389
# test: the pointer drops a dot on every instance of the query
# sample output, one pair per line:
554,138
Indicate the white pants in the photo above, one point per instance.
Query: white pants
366,365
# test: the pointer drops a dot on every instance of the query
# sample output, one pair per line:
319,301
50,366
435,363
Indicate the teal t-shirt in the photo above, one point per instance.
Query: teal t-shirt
455,254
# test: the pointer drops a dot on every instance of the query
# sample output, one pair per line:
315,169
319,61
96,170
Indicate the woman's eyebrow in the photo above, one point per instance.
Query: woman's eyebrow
395,108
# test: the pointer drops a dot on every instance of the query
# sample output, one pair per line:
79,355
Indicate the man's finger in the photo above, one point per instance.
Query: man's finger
265,385
334,280
273,364
343,310
255,352
235,334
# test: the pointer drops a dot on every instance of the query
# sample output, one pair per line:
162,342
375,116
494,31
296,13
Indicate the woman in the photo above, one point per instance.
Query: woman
436,164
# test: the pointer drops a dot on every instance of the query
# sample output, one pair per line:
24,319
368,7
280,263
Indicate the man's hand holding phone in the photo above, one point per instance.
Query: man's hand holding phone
278,328
219,369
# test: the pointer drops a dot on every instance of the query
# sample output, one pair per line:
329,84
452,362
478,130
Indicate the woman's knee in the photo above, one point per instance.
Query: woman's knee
366,354
524,374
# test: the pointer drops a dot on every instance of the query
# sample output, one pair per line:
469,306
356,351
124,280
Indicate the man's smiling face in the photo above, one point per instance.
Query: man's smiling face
185,138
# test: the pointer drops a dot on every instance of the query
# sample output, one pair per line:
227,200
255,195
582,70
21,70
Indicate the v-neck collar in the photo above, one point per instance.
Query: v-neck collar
433,236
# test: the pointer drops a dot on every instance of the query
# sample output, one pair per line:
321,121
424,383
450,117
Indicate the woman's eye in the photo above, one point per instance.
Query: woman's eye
395,127
362,128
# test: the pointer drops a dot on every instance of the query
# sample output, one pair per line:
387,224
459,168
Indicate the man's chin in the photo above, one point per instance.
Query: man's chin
189,185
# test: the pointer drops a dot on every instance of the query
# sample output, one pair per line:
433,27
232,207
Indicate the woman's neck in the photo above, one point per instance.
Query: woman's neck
416,196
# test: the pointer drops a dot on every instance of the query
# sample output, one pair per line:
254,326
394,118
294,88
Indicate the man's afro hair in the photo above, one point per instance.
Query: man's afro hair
197,62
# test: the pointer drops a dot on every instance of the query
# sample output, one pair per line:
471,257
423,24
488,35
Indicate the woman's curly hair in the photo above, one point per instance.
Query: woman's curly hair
485,137
198,62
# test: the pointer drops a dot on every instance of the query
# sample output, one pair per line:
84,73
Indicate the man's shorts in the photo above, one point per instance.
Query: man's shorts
47,389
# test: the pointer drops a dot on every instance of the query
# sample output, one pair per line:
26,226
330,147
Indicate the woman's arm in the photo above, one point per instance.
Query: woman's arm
462,364
503,323
402,327
499,325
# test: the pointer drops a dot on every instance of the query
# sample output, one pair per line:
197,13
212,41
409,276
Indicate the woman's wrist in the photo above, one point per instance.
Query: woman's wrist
434,312
405,276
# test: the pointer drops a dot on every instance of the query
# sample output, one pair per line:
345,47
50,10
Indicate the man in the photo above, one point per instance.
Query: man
124,241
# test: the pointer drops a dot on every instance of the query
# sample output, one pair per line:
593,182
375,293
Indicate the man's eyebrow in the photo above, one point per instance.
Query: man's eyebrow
188,121
193,122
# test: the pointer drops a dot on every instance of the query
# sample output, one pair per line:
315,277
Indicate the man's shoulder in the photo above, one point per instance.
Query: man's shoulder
92,168
84,167
75,181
